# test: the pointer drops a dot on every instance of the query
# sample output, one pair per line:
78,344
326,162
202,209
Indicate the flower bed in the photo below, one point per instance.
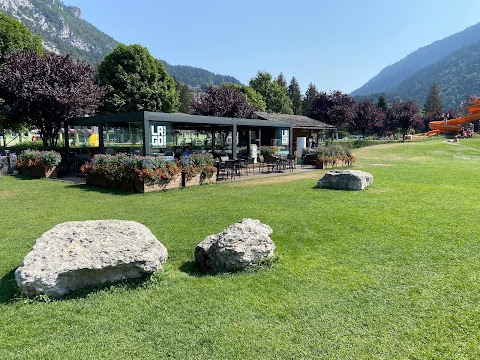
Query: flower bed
39,163
198,169
331,156
132,173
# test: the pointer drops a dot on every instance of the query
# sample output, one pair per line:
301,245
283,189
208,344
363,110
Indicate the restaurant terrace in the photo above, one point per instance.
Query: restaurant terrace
154,133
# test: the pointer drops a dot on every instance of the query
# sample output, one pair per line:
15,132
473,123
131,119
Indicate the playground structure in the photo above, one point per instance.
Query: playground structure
453,126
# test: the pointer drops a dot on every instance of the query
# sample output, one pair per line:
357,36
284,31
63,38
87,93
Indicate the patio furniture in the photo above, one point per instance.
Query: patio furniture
271,162
260,161
228,169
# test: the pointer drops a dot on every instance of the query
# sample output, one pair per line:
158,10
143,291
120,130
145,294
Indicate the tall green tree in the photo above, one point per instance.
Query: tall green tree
253,98
295,96
382,103
186,99
136,81
15,37
433,104
281,80
275,96
307,101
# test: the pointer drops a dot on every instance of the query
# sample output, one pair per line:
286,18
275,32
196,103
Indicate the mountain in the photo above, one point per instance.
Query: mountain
457,75
196,77
393,75
64,30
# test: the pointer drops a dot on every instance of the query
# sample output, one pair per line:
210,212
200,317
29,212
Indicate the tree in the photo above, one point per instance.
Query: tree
185,98
15,37
367,116
293,92
433,104
225,101
334,108
404,115
253,98
307,101
136,81
43,91
281,81
382,103
273,93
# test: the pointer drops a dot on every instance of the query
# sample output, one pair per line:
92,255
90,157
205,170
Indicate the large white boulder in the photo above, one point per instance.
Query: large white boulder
241,245
345,180
85,254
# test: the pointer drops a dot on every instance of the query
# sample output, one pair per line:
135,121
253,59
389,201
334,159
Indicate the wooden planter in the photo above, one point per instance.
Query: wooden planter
319,164
209,178
199,179
39,171
195,181
144,185
98,180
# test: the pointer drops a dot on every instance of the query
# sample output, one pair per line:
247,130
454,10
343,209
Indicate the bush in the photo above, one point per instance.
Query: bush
33,158
267,150
121,166
197,164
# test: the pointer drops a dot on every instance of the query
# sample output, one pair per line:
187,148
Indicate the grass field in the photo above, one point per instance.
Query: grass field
392,272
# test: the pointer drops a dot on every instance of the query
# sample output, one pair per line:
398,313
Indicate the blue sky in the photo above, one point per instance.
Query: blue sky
337,44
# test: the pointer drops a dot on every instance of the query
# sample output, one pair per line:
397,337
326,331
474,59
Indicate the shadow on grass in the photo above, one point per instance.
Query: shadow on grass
8,287
25,177
9,291
99,189
190,268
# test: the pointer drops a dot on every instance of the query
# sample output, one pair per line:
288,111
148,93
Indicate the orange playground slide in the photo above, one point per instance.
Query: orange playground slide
453,125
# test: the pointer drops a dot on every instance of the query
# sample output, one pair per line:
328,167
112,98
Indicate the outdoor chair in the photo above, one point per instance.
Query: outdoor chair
250,165
227,170
289,162
260,161
271,162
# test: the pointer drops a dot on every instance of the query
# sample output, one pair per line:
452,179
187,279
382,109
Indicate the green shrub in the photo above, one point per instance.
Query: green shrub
32,158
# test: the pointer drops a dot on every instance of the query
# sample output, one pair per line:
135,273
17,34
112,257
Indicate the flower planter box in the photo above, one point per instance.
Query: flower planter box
102,181
209,178
195,181
146,185
97,180
200,179
319,164
40,171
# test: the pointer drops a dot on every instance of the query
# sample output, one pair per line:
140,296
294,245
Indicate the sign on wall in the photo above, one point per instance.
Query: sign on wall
285,137
159,136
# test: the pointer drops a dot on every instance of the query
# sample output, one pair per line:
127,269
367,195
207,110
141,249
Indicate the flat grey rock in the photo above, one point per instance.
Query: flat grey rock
85,254
345,180
241,245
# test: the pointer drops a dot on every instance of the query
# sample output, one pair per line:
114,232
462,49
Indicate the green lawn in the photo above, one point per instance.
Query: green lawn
392,272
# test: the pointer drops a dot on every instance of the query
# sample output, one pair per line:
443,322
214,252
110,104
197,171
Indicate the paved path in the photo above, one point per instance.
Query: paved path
257,175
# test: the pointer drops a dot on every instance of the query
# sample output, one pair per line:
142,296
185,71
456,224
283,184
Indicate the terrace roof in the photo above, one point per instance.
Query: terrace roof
297,121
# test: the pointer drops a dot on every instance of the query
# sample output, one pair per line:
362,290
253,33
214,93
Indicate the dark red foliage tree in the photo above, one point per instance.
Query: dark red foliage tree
367,116
334,108
404,116
43,91
223,102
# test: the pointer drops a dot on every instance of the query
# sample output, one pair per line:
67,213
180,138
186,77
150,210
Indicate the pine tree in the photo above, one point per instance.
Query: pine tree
310,95
281,81
295,95
433,104
186,99
382,103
